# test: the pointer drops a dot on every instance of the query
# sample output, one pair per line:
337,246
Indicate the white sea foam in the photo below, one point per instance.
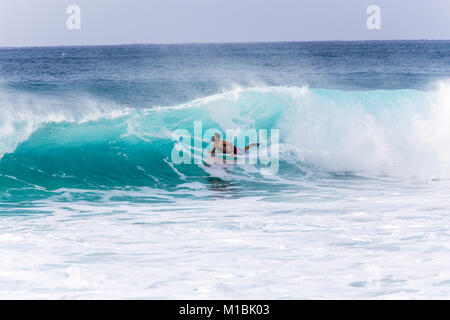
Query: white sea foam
403,133
334,239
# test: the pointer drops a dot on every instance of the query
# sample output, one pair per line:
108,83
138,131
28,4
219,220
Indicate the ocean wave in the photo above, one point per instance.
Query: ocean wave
94,144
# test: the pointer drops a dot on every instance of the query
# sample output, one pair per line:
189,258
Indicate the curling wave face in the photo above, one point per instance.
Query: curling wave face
398,133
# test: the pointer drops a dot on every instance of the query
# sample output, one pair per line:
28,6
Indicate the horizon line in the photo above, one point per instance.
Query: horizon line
207,42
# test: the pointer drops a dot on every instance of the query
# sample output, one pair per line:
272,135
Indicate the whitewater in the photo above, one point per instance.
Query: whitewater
92,205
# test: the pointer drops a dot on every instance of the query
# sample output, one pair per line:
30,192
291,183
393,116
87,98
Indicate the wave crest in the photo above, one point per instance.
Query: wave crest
93,144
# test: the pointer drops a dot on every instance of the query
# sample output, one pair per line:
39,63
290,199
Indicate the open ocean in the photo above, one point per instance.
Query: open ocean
92,204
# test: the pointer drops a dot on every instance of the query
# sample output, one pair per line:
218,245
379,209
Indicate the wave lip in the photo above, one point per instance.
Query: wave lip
25,113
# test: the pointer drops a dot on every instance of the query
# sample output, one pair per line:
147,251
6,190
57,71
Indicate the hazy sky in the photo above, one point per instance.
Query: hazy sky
43,22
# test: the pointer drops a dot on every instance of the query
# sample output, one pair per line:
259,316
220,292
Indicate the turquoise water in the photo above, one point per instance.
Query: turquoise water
93,204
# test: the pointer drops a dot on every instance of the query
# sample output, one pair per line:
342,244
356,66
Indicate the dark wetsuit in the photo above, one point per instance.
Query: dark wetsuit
235,150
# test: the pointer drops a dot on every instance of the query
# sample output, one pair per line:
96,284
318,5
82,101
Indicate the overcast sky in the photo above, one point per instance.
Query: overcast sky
43,22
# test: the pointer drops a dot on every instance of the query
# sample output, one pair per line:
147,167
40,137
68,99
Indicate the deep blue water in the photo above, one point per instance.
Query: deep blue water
148,75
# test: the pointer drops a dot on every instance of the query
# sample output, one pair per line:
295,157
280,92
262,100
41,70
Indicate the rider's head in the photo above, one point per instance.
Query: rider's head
216,137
